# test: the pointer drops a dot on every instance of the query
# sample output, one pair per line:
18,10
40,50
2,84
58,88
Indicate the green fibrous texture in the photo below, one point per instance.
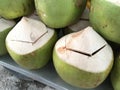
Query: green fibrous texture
59,13
115,74
105,19
78,77
11,9
36,59
3,35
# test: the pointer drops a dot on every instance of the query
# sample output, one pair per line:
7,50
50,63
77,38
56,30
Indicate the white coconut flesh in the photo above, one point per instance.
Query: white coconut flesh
5,24
116,2
82,23
85,50
28,35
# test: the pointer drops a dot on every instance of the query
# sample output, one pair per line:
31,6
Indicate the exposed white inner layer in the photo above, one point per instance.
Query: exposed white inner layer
28,35
116,2
87,41
5,24
28,30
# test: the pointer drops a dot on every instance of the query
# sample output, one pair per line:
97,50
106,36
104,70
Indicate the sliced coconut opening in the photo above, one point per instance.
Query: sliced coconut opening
28,35
85,53
85,50
71,43
86,38
116,2
5,24
28,30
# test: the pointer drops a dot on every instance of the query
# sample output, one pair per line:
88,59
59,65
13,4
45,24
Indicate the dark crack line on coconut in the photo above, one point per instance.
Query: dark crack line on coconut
84,53
98,50
33,41
40,37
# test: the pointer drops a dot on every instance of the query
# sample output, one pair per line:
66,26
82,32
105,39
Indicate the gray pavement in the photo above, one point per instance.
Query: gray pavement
9,81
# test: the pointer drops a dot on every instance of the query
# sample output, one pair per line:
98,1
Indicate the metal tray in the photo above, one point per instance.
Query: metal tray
47,75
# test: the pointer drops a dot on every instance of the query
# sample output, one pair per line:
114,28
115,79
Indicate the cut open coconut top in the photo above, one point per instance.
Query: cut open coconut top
5,24
116,2
85,50
28,35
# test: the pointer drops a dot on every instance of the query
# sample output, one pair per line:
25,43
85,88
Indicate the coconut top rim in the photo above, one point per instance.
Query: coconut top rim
28,35
5,24
94,63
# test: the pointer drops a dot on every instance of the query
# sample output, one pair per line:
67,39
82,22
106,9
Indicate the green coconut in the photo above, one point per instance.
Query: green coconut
105,18
81,24
115,74
83,59
11,9
5,27
30,43
59,13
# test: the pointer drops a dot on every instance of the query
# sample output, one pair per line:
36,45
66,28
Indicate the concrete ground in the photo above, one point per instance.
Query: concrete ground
9,81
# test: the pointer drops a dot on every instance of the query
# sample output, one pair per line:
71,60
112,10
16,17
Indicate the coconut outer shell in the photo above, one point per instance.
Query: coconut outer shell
59,13
16,8
105,19
3,35
36,59
83,59
115,74
5,27
77,77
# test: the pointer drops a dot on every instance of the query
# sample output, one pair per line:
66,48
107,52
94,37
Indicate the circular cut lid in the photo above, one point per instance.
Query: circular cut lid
85,50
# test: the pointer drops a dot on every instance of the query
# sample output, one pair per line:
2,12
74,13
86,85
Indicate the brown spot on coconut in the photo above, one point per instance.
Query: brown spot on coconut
62,49
86,61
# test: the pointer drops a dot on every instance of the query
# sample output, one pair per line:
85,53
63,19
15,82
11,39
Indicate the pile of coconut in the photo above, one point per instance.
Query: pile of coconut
30,32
